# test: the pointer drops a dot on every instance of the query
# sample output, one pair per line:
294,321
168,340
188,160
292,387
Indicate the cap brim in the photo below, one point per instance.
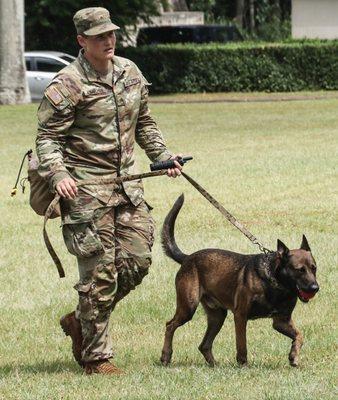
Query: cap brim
97,30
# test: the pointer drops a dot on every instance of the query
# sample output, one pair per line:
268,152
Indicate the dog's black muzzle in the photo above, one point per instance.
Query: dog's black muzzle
305,294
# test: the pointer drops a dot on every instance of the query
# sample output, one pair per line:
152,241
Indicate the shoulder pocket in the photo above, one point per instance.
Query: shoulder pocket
55,94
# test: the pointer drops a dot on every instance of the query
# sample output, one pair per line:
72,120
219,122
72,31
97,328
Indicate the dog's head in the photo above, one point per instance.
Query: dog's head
296,269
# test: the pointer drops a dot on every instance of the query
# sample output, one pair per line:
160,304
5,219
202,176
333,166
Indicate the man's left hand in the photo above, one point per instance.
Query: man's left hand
174,172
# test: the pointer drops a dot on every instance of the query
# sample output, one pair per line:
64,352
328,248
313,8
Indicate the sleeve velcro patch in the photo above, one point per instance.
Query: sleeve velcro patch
54,96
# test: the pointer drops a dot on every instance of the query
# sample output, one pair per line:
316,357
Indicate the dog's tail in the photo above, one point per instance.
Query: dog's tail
168,237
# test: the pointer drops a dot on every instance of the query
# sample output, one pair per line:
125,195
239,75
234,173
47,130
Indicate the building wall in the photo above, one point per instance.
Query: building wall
315,19
179,18
166,19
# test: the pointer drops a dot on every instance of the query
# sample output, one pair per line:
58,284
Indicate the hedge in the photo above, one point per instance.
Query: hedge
245,67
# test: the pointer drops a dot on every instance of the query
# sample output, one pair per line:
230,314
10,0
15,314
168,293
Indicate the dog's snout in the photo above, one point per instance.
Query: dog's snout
314,288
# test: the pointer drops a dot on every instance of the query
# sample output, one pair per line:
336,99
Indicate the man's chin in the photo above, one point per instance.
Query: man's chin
109,54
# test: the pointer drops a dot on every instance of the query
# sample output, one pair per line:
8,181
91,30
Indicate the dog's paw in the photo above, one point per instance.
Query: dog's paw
293,360
242,360
212,364
209,358
165,360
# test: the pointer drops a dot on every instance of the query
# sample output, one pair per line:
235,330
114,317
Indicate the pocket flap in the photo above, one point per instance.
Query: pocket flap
77,217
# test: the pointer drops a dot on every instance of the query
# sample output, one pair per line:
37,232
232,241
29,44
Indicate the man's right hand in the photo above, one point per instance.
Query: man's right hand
67,188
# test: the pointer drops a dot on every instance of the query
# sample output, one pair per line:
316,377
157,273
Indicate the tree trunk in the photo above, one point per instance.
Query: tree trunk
13,84
178,5
240,12
276,9
252,15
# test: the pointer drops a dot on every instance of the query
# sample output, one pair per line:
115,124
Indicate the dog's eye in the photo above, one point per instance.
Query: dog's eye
302,270
314,268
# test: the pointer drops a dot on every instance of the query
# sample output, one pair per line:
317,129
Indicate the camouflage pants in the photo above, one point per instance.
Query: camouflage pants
113,250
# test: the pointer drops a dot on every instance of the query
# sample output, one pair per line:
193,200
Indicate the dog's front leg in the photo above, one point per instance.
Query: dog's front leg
285,325
240,327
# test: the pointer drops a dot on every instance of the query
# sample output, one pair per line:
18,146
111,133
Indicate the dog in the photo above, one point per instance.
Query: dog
251,286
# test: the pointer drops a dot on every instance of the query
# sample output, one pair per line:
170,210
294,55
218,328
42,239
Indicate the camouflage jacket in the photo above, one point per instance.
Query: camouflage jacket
87,127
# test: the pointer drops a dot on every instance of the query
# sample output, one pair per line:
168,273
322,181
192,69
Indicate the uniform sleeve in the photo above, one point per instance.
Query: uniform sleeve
55,116
148,135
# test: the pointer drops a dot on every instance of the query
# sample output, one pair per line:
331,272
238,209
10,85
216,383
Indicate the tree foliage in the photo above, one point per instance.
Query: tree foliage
238,67
263,19
49,23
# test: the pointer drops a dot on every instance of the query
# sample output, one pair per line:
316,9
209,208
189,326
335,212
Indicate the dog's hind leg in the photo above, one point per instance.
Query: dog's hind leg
216,317
188,297
286,326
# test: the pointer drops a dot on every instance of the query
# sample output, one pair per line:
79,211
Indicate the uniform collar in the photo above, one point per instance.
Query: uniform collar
119,68
92,75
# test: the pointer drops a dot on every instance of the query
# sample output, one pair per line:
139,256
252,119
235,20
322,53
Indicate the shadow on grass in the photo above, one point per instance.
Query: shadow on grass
44,367
226,364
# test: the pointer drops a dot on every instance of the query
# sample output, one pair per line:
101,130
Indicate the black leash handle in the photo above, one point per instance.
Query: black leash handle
169,163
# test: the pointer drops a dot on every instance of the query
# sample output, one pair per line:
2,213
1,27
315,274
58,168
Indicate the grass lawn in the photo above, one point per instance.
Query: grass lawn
274,166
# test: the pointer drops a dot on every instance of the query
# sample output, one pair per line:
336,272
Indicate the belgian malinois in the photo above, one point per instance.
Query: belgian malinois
251,286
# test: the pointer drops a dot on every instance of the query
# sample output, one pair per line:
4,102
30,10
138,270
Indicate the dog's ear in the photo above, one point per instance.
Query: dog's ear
282,249
305,244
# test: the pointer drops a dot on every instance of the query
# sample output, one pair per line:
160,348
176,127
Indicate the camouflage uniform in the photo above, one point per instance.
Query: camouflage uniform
87,128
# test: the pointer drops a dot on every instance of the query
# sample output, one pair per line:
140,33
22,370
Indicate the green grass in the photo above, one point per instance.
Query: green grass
274,166
243,96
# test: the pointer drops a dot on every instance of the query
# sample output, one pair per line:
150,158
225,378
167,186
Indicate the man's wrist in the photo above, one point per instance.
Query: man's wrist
166,155
56,178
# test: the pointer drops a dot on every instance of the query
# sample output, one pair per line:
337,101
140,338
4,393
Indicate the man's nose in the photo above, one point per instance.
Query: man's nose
110,39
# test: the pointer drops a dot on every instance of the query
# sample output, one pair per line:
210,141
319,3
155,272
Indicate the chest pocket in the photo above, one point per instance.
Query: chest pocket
132,93
97,109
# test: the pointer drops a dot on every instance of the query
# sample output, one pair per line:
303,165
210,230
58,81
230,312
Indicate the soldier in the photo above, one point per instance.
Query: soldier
88,121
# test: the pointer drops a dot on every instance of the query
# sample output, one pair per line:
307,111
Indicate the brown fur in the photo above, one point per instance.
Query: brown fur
251,286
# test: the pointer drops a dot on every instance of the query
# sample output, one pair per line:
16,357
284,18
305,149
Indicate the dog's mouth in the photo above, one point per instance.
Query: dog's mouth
305,296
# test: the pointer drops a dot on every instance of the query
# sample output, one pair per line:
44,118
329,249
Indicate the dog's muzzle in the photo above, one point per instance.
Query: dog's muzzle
306,294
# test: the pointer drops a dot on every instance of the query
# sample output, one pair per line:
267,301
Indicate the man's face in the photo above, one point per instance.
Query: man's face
100,47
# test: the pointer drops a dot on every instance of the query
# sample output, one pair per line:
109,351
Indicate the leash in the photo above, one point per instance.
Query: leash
120,179
226,214
98,181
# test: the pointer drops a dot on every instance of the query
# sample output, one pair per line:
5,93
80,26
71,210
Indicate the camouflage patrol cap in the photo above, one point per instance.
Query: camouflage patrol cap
93,21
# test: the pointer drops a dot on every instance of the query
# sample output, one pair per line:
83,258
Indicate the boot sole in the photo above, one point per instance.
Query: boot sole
113,371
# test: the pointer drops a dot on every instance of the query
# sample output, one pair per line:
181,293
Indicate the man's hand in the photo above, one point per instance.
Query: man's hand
174,172
67,188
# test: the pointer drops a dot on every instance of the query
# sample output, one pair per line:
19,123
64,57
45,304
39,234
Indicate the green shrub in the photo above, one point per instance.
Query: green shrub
244,67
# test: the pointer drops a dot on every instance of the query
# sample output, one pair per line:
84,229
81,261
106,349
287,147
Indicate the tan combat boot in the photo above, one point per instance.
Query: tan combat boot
104,367
72,327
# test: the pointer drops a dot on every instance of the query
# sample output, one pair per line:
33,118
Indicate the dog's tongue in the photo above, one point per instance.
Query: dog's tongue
306,295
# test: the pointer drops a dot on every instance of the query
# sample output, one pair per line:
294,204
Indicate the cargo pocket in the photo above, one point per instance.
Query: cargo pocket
132,270
82,239
87,307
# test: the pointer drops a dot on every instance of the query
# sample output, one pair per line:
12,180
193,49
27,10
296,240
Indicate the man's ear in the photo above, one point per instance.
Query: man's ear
282,249
81,40
305,244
